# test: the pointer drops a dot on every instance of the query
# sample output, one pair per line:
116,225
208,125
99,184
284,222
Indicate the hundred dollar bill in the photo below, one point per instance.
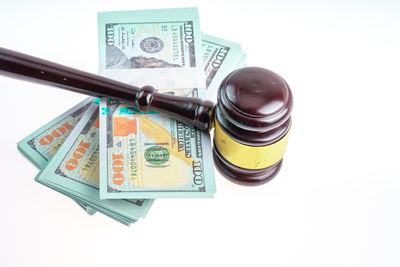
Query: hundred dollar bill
40,146
73,171
161,47
220,58
152,155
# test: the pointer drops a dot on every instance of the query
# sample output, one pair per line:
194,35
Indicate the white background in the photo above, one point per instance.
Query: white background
336,202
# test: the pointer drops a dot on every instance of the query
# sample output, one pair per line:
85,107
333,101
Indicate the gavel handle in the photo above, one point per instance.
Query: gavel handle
194,111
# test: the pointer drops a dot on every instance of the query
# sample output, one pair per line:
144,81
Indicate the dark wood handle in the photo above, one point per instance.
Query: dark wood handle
194,111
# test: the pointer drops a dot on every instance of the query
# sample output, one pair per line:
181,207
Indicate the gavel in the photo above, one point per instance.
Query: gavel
251,118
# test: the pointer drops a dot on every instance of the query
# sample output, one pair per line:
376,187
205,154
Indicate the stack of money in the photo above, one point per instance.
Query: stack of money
66,151
109,157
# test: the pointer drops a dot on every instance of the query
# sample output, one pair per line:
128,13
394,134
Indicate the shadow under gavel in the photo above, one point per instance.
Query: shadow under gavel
251,117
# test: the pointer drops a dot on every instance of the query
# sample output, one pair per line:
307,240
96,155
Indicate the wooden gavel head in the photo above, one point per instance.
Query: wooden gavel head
252,122
251,117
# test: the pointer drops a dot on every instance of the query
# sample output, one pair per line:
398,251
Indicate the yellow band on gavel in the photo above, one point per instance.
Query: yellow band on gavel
248,157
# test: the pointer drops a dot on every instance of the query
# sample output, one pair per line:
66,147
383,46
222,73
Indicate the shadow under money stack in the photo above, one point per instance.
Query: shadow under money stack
109,157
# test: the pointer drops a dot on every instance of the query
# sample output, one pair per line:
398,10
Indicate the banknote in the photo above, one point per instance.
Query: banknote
220,58
152,155
74,171
40,146
161,46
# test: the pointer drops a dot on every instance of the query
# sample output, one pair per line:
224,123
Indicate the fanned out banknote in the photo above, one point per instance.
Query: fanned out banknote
40,146
73,171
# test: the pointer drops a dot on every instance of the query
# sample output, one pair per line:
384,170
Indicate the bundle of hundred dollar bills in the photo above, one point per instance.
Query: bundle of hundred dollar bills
109,157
